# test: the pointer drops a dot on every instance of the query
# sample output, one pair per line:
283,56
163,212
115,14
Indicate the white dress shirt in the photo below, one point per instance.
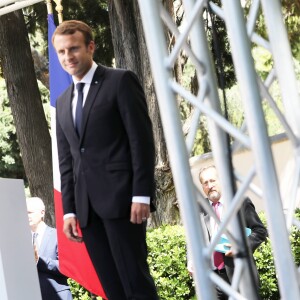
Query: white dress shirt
40,234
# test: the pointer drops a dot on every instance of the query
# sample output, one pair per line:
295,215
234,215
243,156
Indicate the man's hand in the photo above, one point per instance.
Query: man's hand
70,229
230,251
140,212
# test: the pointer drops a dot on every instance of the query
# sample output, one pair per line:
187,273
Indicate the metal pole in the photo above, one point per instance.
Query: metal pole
7,2
221,153
209,104
289,91
178,153
263,155
284,67
16,6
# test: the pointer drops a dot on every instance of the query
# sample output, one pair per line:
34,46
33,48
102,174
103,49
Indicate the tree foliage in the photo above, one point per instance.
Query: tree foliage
291,14
264,260
220,49
291,18
26,106
29,133
94,13
11,165
128,38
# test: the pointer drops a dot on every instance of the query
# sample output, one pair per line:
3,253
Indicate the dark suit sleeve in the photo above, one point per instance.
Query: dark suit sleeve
258,231
134,113
48,259
49,265
65,167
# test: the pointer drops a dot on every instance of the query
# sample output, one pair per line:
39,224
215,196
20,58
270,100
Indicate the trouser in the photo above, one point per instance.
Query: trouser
221,295
227,274
118,252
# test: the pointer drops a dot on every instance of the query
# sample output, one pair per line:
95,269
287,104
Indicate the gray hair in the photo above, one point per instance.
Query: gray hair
206,168
37,201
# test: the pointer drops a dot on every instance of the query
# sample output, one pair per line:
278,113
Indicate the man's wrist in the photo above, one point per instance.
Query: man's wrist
69,215
141,199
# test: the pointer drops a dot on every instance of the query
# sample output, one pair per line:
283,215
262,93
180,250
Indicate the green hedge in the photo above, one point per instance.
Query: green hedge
78,292
167,261
265,264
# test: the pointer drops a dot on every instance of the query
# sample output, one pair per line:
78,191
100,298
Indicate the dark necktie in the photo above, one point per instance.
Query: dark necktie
34,238
218,256
78,114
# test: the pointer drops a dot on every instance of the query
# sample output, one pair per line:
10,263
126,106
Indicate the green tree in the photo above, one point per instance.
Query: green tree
11,165
128,38
291,17
25,102
291,13
94,13
117,25
30,136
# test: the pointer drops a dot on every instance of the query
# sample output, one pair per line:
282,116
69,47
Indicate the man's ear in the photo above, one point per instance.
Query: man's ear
92,46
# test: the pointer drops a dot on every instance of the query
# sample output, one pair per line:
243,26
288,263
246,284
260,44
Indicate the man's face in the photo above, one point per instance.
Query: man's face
35,214
74,55
210,184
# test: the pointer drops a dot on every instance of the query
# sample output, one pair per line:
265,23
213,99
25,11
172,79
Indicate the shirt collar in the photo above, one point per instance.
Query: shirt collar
41,228
220,201
88,77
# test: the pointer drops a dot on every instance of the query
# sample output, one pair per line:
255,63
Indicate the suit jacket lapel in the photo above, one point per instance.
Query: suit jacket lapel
207,224
93,91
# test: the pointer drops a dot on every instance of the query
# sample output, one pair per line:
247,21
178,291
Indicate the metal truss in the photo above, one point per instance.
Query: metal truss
7,6
192,39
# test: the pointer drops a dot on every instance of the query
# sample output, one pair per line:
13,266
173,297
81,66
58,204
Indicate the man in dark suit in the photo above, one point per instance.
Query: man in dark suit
106,160
53,284
223,263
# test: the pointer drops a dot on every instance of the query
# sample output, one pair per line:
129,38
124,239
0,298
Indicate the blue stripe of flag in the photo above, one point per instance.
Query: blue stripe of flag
59,79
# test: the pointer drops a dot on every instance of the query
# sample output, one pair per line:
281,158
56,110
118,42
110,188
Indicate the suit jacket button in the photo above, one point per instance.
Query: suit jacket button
82,150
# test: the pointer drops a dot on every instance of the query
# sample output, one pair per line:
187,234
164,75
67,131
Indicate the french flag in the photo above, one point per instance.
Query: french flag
74,261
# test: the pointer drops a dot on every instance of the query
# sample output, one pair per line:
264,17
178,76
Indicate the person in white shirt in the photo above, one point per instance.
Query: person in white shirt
53,284
223,263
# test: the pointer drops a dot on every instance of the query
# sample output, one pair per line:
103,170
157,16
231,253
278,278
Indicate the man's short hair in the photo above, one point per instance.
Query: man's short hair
71,26
37,201
204,169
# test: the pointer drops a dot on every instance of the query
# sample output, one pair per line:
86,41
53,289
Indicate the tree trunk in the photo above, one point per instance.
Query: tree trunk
131,53
40,67
26,105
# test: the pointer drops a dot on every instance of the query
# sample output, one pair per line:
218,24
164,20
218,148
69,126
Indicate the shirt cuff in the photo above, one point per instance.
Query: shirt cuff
69,215
141,199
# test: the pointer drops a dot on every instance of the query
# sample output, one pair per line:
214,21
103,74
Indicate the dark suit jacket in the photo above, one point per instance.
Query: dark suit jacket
252,220
113,159
52,282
